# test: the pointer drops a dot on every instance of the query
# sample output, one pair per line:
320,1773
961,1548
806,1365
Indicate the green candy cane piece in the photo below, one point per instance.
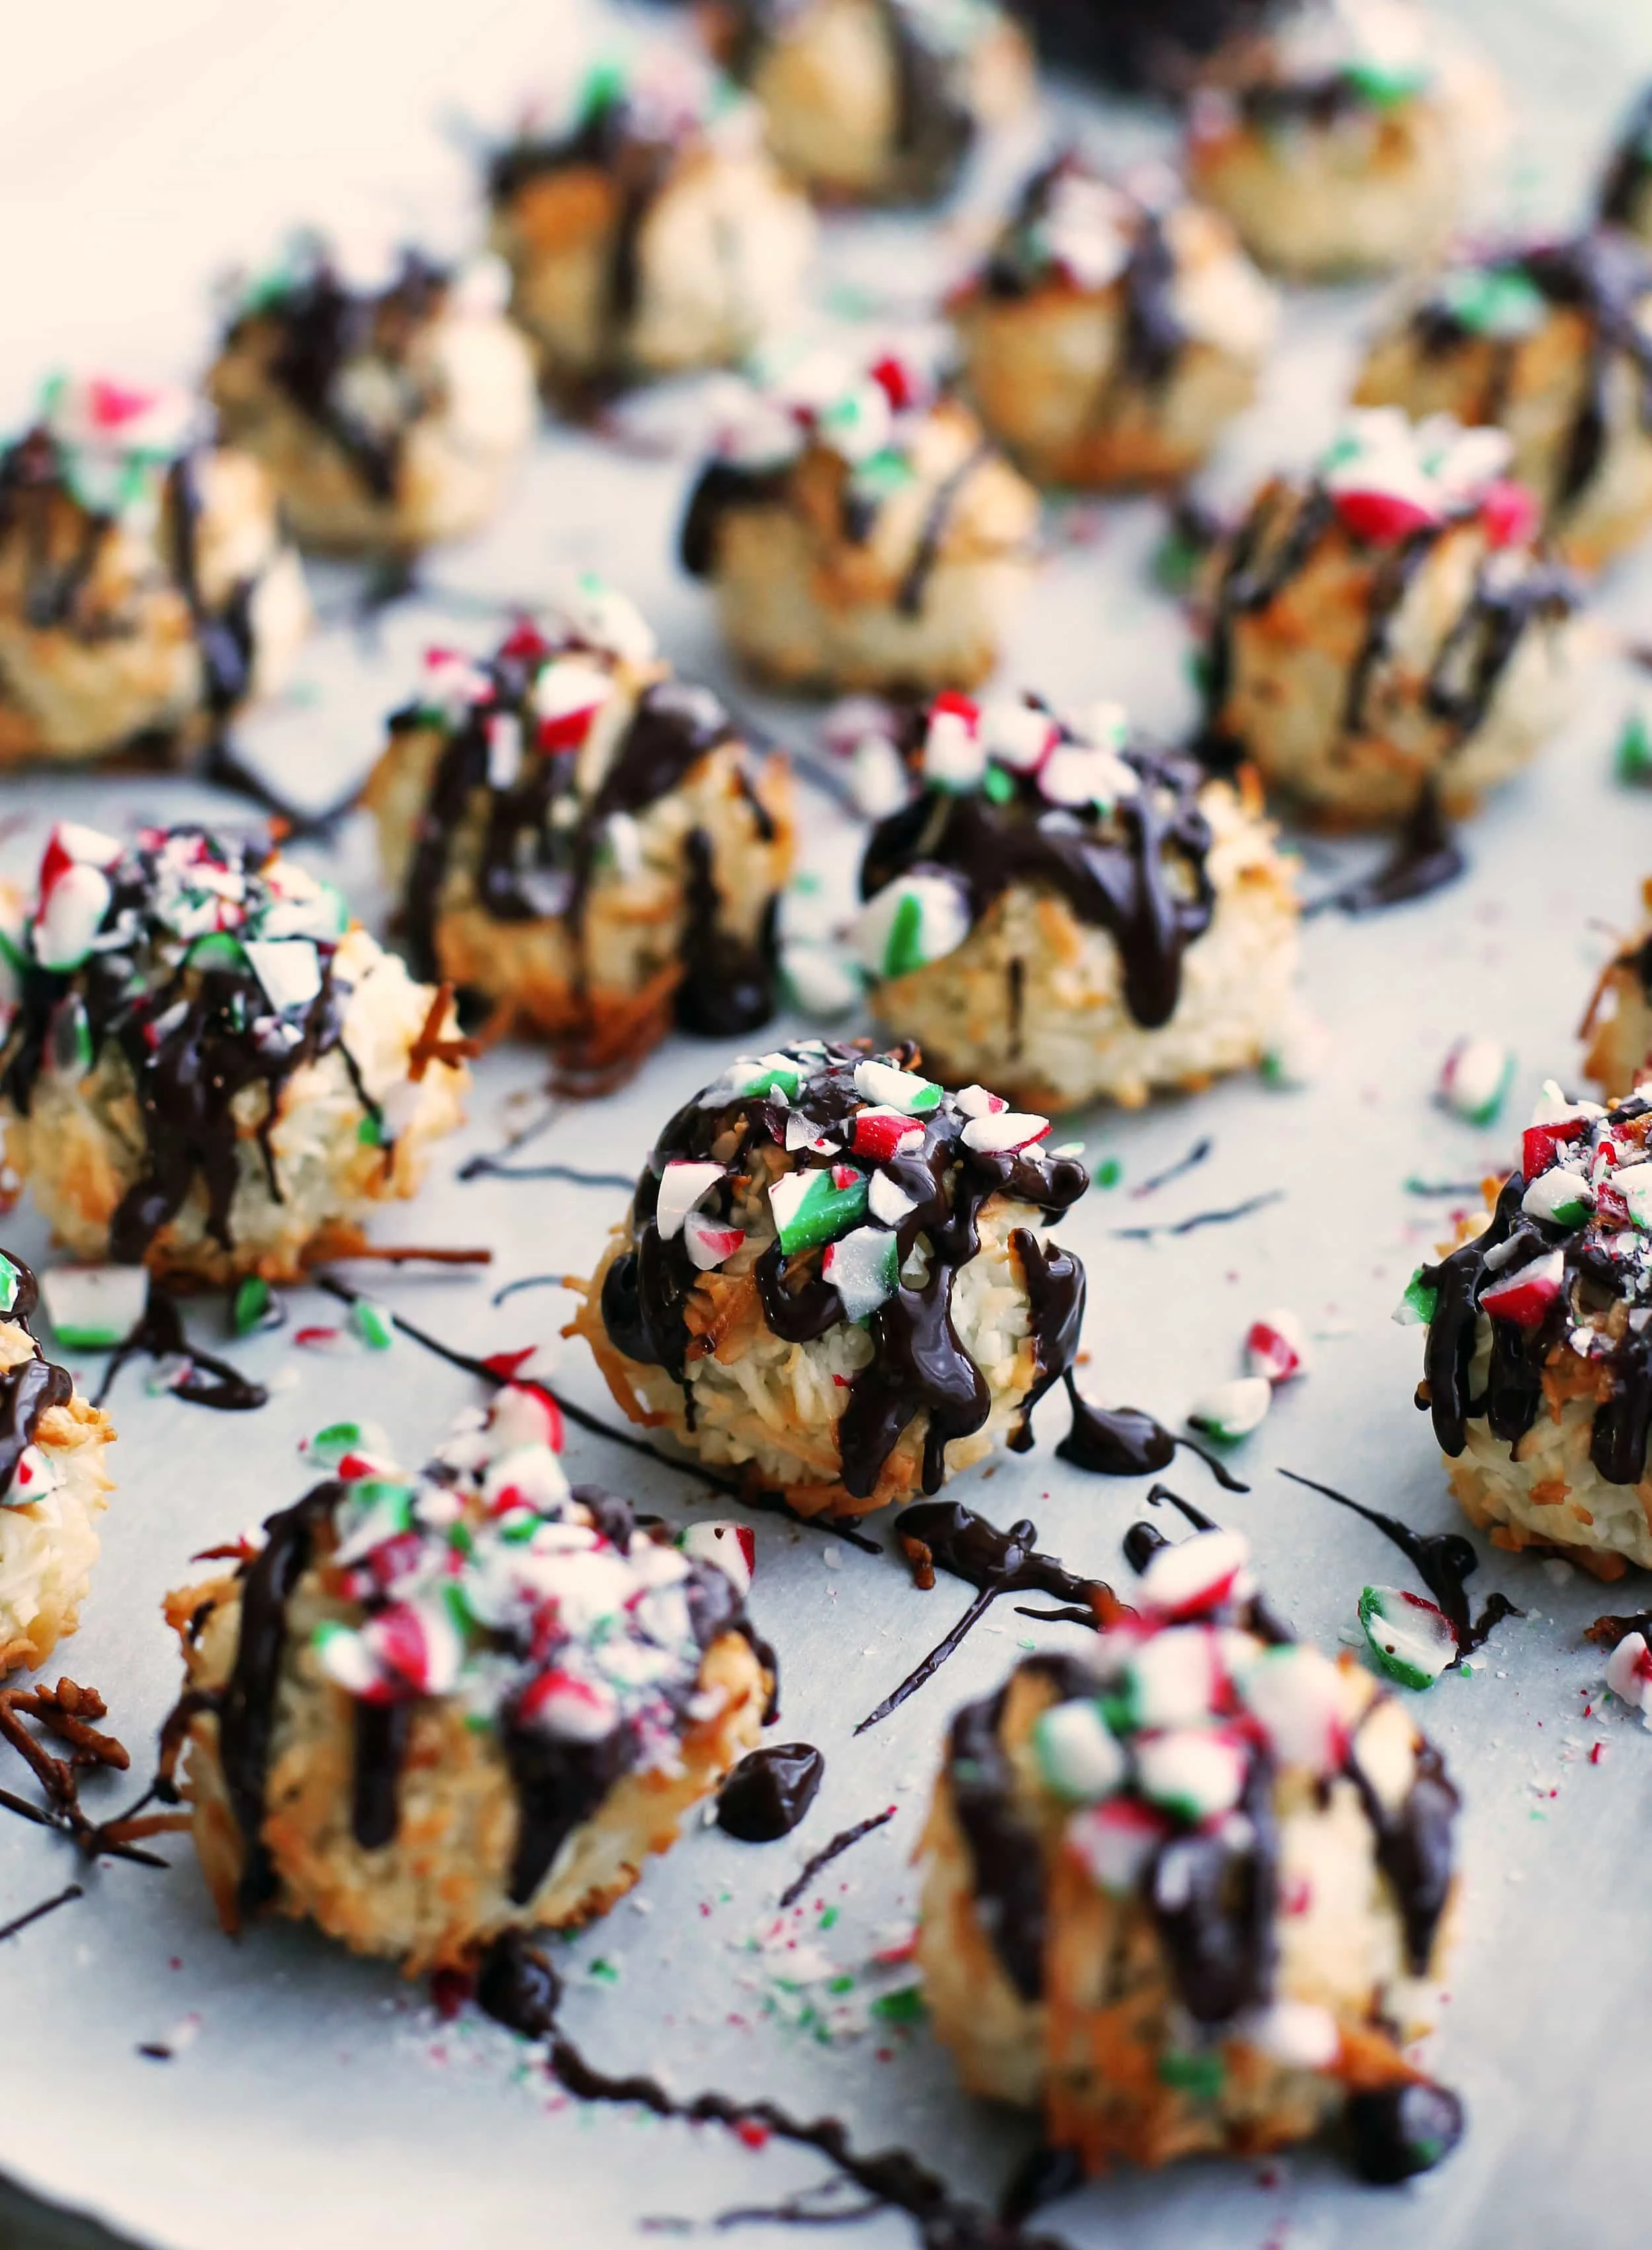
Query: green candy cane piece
1416,1307
1412,1639
813,1207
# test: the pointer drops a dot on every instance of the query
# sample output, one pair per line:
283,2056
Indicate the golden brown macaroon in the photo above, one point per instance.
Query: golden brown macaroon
1617,1024
1343,137
797,1290
650,235
54,1483
858,532
582,841
421,1758
146,589
1386,625
208,1067
1189,1892
876,101
1067,915
1552,344
1109,337
390,412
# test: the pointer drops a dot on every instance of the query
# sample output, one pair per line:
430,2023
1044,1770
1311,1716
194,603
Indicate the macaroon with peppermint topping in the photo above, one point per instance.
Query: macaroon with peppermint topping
833,1277
648,231
1537,1356
581,841
54,1482
1344,136
1551,341
1190,1891
1113,330
207,1066
391,399
876,101
430,1709
1062,912
858,529
1388,625
147,592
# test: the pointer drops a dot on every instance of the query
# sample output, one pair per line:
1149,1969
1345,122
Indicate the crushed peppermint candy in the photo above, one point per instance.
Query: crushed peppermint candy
1413,1639
1476,1079
1229,1411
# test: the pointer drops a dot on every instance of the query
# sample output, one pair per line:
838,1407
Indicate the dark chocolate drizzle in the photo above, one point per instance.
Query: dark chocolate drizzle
1427,857
1630,173
316,325
1125,1441
1443,1560
209,1381
1401,2130
947,1535
842,1842
766,1795
918,1364
32,1388
540,838
1112,871
186,1068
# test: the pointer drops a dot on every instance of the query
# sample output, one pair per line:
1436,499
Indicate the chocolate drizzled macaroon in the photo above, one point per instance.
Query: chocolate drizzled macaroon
1386,624
1618,1021
1066,914
390,409
872,101
1342,136
1551,342
583,841
207,1066
1626,192
1190,1891
432,1708
648,232
146,591
831,1276
1113,329
53,1483
1537,1362
858,529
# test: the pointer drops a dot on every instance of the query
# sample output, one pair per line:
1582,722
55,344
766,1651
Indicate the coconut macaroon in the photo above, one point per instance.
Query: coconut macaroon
1626,192
146,590
430,1710
874,101
831,1277
649,232
1343,136
207,1066
1066,914
857,529
53,1483
1190,1891
584,842
390,406
1112,332
1386,624
1617,1022
1553,343
1537,1370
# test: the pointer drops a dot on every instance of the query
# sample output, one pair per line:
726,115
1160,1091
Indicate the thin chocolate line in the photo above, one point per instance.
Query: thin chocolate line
828,1853
1200,1219
1195,1156
489,1167
529,1281
70,1892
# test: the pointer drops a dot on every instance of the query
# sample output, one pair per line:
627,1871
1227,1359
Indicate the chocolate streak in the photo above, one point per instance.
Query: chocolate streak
766,1795
1443,1561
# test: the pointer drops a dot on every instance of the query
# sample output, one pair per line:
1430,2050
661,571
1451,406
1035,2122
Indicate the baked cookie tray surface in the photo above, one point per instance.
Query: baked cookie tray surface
311,2097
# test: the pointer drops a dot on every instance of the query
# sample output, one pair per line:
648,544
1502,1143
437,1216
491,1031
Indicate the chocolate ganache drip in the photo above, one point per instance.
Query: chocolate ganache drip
1137,869
320,327
166,984
33,1387
803,1103
1573,1288
529,834
1629,173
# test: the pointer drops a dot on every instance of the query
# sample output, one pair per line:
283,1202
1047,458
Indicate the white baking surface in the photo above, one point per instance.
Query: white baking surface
315,2099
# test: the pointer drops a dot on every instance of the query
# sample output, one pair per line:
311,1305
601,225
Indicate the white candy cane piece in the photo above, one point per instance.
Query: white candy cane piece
1231,1410
1195,1574
1078,1754
1301,1702
1276,1347
70,915
1192,1772
730,1548
709,1242
1628,1673
1114,1842
681,1186
1003,1131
